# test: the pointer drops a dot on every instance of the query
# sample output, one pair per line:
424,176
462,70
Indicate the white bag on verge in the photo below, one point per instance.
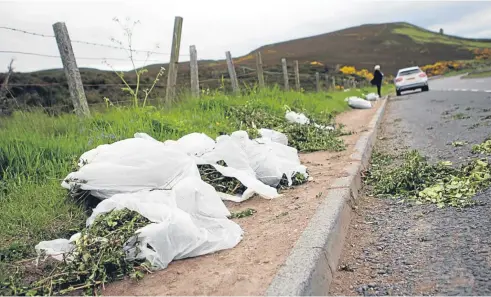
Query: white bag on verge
372,97
359,103
130,165
298,118
274,136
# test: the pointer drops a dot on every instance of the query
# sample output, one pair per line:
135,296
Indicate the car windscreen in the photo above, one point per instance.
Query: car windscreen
409,72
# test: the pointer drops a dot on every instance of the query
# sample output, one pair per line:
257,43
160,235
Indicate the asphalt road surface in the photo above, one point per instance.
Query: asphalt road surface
397,249
463,85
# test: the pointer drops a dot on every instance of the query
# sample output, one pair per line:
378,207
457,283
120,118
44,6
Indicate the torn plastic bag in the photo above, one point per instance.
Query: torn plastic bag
269,160
228,150
195,144
130,165
284,157
298,118
253,185
372,97
56,248
274,136
359,103
144,136
188,221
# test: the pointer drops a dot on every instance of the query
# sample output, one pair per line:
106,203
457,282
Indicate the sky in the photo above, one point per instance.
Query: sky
213,26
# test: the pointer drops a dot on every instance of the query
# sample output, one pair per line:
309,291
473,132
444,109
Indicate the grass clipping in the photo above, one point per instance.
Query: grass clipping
304,137
416,179
98,258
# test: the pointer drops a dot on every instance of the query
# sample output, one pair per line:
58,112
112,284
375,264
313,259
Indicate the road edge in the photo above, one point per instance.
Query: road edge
309,269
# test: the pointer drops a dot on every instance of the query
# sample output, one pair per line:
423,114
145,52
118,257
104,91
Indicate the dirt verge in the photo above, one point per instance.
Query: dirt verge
270,233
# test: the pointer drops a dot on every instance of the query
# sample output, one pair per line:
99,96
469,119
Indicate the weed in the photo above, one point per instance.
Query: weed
415,179
483,148
460,116
242,214
98,257
458,143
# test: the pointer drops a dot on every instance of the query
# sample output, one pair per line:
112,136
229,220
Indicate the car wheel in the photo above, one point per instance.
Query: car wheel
426,88
398,93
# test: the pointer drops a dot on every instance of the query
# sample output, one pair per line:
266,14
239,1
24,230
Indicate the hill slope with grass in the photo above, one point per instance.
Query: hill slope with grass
392,45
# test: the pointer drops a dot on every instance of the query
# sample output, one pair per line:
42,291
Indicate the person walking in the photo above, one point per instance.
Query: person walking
377,79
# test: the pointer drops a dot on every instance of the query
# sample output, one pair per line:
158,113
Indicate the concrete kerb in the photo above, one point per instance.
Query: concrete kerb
308,270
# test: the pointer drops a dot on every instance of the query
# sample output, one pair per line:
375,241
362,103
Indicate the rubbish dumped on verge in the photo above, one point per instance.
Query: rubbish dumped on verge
303,137
274,136
302,119
298,118
359,103
416,179
372,97
175,190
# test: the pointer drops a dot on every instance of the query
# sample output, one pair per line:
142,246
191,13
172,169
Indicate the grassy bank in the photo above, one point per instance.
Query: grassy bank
480,74
37,151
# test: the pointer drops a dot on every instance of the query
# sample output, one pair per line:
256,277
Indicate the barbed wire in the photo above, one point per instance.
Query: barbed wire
91,43
85,85
78,58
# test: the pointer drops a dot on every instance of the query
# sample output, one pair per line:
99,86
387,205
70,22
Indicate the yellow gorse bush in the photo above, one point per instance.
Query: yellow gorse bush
482,53
442,67
351,70
348,70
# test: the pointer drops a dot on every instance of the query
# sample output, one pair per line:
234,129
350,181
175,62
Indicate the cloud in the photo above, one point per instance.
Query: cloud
475,24
214,26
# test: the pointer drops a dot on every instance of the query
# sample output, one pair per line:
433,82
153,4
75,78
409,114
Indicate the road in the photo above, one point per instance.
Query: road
455,83
397,249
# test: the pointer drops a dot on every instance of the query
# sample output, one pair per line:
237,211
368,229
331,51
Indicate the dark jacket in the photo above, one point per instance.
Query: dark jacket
377,77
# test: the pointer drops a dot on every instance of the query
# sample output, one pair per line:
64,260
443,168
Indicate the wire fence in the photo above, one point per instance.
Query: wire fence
47,89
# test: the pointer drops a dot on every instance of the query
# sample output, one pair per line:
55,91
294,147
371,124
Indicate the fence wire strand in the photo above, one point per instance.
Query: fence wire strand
153,52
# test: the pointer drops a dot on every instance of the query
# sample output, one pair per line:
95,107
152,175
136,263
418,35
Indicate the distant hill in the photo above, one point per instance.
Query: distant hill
391,45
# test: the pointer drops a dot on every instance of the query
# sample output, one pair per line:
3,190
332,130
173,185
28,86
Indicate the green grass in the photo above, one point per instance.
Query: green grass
37,151
478,74
422,36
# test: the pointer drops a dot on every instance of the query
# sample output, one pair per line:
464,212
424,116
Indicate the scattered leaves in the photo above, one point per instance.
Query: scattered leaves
458,143
242,214
221,183
416,179
305,138
483,148
99,256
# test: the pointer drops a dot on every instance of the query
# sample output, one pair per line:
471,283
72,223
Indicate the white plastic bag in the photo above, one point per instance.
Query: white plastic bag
298,118
372,97
253,185
359,103
195,144
274,135
269,159
187,221
144,136
130,165
228,150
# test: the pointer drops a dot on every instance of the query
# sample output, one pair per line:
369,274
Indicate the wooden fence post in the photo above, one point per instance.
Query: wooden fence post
75,86
326,78
297,75
193,65
318,82
334,83
232,73
285,74
259,67
170,93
